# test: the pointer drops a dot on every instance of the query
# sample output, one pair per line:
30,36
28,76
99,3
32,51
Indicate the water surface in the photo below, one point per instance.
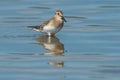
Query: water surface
87,48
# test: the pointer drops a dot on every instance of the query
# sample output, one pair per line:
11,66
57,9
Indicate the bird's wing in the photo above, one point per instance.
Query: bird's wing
40,27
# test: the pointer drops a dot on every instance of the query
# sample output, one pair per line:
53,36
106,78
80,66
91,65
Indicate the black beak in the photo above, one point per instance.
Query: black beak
63,19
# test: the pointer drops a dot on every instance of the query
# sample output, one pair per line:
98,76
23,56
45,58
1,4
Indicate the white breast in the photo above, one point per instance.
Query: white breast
50,29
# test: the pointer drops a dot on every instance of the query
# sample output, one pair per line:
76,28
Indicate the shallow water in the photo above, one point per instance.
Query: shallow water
87,48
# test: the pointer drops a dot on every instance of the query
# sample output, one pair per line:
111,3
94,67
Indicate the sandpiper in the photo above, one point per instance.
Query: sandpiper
52,44
52,26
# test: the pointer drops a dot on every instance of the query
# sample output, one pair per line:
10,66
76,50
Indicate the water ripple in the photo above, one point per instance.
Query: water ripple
77,17
109,6
37,7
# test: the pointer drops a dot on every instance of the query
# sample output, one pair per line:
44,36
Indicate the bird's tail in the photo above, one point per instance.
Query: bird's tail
36,28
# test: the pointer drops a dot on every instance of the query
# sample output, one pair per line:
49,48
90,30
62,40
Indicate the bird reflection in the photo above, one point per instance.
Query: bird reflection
55,47
57,63
52,44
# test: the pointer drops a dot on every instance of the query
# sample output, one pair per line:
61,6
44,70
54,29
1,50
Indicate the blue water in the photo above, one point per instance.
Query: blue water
87,48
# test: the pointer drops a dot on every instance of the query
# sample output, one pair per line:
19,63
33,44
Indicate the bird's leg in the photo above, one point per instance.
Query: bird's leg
49,34
49,39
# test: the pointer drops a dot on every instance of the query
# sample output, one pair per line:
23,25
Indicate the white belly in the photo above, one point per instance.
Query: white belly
49,29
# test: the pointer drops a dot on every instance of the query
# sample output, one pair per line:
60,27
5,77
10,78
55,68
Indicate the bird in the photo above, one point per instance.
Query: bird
52,44
53,25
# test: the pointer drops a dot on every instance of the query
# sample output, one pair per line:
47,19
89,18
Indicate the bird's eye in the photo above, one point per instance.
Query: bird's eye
58,14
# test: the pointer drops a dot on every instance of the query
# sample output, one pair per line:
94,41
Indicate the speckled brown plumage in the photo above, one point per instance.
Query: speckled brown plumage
52,26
